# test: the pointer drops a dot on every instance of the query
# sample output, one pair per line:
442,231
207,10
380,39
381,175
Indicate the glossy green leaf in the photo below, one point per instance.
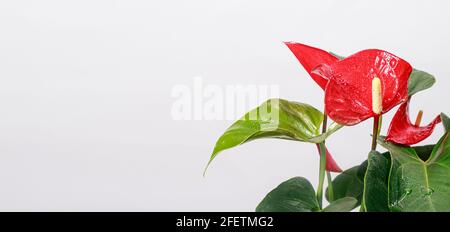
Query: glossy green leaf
345,204
349,183
417,185
418,81
333,127
441,150
445,122
275,118
375,197
293,195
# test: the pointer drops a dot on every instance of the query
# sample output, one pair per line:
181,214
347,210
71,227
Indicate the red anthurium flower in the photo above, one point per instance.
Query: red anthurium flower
310,58
402,131
331,165
366,84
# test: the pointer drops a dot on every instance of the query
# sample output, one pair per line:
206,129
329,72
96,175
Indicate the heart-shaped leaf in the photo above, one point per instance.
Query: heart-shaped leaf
349,183
417,185
418,81
275,118
293,195
345,204
375,197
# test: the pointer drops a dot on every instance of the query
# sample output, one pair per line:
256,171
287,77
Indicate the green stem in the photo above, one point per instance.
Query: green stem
330,187
329,179
323,162
376,124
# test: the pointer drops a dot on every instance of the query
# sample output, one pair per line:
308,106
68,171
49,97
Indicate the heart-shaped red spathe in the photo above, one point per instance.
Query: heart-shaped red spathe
402,131
331,165
348,94
311,57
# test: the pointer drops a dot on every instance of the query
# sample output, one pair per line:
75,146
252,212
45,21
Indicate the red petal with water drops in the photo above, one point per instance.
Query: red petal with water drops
402,131
310,58
348,95
331,165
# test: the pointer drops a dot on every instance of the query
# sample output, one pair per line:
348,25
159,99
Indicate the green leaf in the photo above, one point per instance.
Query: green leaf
275,118
441,149
375,197
446,122
396,148
293,195
350,183
417,185
333,127
418,81
345,204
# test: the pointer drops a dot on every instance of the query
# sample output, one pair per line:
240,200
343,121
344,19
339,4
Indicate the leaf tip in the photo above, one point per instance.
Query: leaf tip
446,122
206,168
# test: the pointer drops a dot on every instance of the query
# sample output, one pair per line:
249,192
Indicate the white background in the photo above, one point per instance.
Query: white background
85,95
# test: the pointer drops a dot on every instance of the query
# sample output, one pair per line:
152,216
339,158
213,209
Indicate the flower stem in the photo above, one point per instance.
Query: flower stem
376,124
323,161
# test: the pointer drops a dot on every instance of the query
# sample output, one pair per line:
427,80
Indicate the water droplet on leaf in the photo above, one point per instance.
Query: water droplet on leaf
427,191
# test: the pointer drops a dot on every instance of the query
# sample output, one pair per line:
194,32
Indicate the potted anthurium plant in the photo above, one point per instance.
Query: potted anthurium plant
362,86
